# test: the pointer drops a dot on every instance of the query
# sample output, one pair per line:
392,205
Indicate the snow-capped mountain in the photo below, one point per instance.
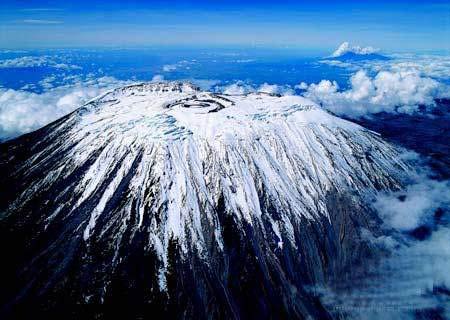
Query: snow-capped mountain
346,52
160,198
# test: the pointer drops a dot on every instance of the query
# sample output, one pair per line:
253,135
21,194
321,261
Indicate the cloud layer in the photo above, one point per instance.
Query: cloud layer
414,277
386,91
242,87
183,64
24,111
408,209
434,66
345,47
36,61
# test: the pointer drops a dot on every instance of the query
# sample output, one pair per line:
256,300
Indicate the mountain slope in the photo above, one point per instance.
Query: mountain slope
160,198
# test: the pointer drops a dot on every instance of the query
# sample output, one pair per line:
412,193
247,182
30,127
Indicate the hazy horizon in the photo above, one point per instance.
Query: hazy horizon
405,26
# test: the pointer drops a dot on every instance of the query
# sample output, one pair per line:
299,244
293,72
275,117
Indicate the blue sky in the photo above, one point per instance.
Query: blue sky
400,26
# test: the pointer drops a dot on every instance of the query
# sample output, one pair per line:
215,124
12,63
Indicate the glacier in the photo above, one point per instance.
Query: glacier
174,200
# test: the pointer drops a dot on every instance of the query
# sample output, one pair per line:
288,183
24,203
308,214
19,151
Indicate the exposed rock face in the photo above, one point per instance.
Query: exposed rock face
160,198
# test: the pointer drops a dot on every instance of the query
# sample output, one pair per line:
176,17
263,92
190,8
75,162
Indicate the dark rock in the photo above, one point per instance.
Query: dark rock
438,214
421,233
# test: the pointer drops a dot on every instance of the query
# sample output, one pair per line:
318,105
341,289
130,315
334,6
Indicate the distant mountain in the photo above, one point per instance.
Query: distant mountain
351,56
345,52
162,200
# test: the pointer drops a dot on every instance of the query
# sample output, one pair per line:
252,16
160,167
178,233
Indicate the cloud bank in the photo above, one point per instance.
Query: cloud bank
24,111
183,64
385,92
434,66
413,281
242,87
345,47
410,208
36,61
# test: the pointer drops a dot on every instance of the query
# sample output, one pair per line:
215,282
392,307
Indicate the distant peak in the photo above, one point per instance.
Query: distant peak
345,47
347,52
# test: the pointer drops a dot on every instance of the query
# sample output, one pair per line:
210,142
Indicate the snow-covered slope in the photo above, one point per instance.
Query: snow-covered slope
177,176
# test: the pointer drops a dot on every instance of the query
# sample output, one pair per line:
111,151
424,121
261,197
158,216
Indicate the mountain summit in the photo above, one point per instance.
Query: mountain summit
159,198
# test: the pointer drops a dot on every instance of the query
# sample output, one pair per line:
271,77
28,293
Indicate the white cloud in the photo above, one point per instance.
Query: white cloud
434,66
36,61
345,47
407,209
302,86
237,88
242,87
269,88
48,82
386,91
350,65
275,89
158,78
400,285
205,84
183,64
405,281
23,111
169,67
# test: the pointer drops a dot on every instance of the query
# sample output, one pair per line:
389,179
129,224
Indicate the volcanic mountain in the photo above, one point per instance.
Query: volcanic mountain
160,199
347,52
